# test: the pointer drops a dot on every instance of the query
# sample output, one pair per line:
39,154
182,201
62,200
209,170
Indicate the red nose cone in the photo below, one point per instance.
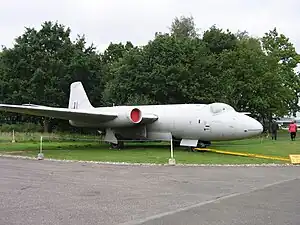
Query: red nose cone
135,115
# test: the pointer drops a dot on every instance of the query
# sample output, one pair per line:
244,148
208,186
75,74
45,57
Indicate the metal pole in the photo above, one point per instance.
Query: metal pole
41,144
172,154
172,161
41,155
13,139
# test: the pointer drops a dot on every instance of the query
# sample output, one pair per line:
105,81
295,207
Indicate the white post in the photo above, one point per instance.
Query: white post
13,137
41,144
172,161
41,155
172,154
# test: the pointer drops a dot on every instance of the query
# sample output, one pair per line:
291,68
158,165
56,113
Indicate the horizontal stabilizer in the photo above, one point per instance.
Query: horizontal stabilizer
82,115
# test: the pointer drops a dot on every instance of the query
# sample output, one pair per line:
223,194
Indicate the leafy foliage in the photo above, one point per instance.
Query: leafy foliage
42,64
184,27
182,66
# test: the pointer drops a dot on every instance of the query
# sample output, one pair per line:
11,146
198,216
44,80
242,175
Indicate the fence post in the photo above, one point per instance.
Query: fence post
41,155
13,137
172,161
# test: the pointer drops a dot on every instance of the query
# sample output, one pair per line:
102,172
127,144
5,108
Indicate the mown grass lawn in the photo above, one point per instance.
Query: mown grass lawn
155,152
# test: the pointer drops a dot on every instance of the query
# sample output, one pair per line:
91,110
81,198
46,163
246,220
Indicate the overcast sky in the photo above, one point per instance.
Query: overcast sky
105,21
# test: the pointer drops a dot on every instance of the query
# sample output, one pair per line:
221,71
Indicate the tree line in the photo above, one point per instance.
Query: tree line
253,74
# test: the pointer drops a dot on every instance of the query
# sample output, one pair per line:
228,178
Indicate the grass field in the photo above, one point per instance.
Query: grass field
78,148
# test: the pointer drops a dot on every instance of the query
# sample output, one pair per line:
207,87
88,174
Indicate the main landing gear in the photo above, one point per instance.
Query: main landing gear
119,145
113,139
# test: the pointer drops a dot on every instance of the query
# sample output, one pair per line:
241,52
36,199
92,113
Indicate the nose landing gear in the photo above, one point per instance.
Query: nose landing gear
201,144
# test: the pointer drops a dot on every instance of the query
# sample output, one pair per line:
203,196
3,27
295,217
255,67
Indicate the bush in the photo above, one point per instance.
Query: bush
21,127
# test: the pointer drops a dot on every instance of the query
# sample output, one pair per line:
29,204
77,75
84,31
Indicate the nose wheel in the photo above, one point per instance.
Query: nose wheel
201,144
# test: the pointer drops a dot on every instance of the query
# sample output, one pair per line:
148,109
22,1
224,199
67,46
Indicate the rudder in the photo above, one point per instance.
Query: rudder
78,98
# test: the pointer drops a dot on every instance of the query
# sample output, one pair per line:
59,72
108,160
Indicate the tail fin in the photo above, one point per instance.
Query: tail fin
78,98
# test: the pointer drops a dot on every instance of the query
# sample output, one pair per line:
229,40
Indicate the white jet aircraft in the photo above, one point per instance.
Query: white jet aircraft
191,124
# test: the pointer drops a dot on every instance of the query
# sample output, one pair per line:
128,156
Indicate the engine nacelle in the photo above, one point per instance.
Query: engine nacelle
126,117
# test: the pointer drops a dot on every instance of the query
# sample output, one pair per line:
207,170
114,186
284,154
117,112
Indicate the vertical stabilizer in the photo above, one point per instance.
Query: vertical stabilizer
78,98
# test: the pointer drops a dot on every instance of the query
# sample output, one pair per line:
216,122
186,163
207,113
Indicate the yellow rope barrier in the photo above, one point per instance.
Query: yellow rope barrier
244,154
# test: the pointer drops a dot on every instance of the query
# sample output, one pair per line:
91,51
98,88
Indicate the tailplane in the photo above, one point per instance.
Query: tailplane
78,97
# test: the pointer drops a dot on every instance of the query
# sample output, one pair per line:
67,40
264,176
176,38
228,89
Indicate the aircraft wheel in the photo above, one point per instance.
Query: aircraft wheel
203,144
114,146
119,146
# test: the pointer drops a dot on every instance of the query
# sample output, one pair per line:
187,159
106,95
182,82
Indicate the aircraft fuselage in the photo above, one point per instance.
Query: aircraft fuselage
186,122
182,121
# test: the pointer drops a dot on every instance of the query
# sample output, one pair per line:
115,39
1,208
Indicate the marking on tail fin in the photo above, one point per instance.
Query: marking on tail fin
75,105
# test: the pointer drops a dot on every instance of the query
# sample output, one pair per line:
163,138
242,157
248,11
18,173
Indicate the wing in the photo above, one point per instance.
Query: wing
87,116
246,113
82,115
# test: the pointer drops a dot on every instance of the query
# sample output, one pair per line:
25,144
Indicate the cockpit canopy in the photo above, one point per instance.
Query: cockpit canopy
217,108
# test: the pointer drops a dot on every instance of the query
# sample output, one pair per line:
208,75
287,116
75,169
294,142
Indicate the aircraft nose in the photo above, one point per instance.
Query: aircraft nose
254,126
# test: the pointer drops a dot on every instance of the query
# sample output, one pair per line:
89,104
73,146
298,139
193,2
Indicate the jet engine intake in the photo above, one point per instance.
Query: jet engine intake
126,117
135,115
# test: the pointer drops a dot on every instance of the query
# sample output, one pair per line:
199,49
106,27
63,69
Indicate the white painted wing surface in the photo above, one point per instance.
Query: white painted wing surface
82,115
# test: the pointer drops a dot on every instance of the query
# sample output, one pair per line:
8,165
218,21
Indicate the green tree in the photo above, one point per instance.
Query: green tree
256,75
42,64
241,72
113,53
217,40
184,27
251,80
125,84
283,59
163,71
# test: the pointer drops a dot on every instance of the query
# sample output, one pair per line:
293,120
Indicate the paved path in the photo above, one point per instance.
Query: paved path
45,192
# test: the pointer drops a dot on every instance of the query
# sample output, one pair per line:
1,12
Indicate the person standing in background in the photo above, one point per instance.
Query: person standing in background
293,130
274,129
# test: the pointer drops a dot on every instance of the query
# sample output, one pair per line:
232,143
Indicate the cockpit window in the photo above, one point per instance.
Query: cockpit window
217,108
